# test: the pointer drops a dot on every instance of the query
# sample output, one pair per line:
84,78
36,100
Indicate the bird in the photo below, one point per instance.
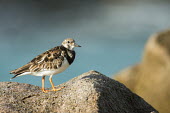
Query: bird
49,63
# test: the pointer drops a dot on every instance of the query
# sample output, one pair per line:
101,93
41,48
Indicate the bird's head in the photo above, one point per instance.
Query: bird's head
69,43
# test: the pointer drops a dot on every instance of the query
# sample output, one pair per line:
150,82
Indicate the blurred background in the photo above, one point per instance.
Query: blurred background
112,33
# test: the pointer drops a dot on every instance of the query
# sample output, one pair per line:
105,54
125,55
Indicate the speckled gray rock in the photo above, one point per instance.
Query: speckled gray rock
90,92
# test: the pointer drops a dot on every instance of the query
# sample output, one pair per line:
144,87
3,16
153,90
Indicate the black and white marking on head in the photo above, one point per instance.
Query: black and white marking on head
69,43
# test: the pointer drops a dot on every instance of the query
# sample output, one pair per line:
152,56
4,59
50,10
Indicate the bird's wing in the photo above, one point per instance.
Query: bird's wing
51,59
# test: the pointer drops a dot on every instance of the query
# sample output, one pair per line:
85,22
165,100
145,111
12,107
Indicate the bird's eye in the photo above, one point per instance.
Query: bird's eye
68,42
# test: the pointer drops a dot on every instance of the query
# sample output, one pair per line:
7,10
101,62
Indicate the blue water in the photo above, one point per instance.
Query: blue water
112,34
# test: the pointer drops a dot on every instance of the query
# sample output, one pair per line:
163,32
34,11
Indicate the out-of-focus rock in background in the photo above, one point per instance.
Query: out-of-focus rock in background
151,77
90,92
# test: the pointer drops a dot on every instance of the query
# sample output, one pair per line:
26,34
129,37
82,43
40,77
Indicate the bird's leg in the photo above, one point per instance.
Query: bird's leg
52,84
43,88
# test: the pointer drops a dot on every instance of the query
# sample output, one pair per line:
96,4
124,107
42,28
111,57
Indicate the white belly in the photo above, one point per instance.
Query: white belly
46,72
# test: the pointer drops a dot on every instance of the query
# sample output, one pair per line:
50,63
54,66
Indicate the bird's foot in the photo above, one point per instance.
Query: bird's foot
58,89
45,91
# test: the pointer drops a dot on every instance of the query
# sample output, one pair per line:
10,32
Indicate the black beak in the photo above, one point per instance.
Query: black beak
76,45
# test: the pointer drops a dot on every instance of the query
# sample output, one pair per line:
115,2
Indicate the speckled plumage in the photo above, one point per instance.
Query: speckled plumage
51,62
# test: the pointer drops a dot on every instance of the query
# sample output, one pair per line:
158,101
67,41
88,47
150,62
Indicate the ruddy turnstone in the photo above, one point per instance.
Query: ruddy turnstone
49,63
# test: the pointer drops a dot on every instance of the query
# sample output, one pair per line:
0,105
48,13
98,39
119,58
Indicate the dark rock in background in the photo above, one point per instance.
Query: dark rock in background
90,92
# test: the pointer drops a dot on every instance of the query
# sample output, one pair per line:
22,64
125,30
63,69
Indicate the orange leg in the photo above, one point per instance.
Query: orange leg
43,88
52,84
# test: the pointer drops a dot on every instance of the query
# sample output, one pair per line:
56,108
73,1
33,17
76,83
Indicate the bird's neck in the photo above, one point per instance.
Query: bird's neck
68,48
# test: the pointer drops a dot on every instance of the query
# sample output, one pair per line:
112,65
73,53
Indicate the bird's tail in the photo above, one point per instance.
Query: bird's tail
14,76
20,71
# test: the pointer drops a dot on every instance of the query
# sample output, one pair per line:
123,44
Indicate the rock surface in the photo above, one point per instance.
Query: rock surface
90,92
150,78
